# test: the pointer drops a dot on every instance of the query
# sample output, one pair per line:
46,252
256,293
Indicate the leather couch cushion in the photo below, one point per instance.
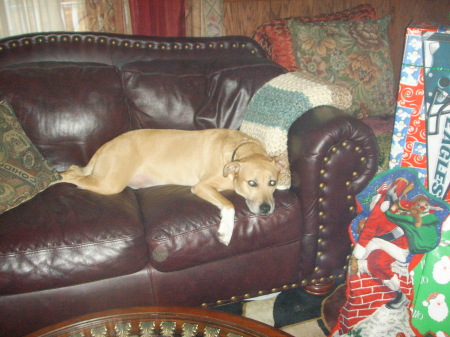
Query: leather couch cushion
193,94
66,236
68,110
181,229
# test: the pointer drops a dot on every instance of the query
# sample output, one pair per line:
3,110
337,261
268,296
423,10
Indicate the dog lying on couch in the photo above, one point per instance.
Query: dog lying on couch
207,160
68,251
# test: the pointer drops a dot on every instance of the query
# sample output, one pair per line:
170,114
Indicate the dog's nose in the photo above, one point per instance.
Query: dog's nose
264,209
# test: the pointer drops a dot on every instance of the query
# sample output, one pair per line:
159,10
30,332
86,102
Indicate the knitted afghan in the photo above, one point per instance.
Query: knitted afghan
277,104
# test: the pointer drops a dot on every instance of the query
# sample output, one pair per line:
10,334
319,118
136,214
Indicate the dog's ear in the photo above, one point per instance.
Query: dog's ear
231,167
280,162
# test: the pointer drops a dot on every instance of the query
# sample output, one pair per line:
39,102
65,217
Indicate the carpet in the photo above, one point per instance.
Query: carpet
294,311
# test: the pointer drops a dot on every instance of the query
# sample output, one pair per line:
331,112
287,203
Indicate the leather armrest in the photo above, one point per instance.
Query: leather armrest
333,156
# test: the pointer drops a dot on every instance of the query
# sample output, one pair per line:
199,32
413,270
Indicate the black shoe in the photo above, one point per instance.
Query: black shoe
399,301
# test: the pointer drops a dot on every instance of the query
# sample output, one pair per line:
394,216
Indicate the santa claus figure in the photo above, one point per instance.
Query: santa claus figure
437,307
441,270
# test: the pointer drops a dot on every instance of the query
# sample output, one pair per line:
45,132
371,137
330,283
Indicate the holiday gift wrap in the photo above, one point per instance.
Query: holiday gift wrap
436,47
408,148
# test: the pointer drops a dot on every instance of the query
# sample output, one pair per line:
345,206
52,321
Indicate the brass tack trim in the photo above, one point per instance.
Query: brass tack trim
322,185
358,149
221,45
150,45
341,276
52,39
326,159
319,254
101,40
321,199
89,39
243,45
323,171
304,282
351,208
320,241
113,42
219,302
163,47
210,45
26,42
234,298
313,281
345,267
186,46
348,183
316,269
332,277
13,44
334,149
253,51
322,279
349,197
274,290
348,257
295,285
247,296
204,305
40,40
1,48
321,213
64,39
344,143
321,227
286,287
176,46
355,174
363,159
234,45
137,45
197,46
261,292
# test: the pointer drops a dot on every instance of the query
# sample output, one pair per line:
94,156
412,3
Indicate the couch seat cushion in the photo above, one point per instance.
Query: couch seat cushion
181,229
66,236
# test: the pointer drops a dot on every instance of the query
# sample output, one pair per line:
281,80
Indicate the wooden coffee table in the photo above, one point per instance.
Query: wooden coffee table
160,321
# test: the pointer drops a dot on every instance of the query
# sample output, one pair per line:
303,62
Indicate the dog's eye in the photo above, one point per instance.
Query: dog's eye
252,183
272,183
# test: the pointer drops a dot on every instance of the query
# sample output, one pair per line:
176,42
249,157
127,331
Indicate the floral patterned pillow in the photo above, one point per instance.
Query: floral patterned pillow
276,40
23,170
352,54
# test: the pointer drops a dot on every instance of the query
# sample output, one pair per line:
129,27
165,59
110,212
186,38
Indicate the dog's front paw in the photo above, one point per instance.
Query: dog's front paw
226,225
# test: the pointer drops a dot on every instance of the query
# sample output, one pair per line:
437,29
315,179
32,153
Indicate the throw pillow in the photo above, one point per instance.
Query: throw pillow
276,40
23,170
354,55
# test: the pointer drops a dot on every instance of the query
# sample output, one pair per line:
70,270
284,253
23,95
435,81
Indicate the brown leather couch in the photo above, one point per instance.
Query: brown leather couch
68,252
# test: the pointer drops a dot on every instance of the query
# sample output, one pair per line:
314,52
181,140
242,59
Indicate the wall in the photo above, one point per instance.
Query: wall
242,17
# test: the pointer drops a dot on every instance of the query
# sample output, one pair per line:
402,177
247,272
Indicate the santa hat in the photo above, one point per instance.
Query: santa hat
431,297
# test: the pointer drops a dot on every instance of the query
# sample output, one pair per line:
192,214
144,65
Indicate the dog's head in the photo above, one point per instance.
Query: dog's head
255,178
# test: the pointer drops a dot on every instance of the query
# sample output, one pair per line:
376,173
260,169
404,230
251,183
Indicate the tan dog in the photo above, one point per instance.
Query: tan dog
210,161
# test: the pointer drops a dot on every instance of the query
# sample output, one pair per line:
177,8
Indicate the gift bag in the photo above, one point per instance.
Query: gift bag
398,222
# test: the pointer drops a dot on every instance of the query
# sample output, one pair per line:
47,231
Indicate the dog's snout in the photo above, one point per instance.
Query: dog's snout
264,209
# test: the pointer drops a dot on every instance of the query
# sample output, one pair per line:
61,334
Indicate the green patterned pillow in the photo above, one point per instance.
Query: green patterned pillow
352,54
23,170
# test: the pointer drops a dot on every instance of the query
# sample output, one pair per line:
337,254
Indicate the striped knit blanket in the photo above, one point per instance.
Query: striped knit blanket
278,103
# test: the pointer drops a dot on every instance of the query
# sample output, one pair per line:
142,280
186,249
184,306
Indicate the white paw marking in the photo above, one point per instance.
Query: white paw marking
226,225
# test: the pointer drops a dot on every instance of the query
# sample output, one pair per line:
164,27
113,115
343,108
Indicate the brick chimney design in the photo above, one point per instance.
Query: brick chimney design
366,295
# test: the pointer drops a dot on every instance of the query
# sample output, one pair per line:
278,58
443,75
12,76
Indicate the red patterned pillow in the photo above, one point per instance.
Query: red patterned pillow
275,38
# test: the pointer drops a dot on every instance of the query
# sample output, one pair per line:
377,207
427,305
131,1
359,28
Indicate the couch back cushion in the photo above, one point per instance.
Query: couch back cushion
68,110
193,94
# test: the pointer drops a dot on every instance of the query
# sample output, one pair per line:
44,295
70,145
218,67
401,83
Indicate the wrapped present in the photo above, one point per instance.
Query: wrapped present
437,104
409,142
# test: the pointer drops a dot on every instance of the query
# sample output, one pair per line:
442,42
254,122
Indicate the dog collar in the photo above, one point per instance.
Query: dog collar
233,157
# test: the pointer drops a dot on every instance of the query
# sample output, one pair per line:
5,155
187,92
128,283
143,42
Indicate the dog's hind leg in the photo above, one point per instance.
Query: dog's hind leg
212,195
